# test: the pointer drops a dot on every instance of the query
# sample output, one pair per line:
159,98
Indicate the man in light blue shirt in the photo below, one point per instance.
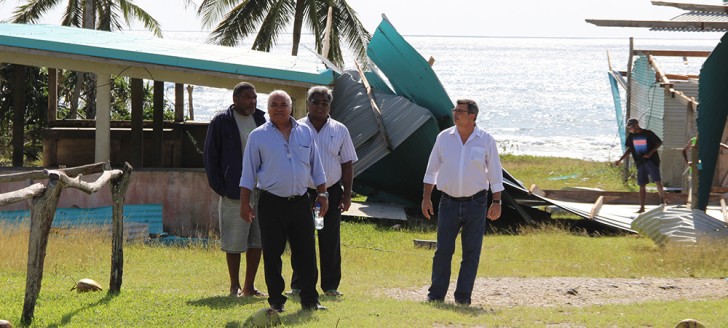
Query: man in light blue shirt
281,155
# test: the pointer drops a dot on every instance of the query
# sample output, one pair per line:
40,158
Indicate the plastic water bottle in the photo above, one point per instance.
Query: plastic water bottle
318,220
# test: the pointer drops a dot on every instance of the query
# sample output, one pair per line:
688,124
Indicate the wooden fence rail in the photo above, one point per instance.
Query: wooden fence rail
43,208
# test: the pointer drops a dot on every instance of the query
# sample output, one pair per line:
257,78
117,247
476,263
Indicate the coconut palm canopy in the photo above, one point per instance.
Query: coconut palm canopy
267,19
110,14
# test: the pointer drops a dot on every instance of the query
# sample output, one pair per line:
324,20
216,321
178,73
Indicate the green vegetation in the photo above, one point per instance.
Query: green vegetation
187,286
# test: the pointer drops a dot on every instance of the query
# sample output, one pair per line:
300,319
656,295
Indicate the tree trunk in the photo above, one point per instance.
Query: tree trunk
297,25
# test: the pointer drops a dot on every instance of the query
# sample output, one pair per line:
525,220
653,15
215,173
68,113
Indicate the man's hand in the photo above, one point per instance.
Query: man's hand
616,163
427,208
246,212
324,202
345,202
494,211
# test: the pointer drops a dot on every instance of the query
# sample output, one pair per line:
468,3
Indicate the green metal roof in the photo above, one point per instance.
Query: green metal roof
152,50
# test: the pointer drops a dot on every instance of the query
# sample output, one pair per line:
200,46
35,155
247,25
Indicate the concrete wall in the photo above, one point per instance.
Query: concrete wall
189,206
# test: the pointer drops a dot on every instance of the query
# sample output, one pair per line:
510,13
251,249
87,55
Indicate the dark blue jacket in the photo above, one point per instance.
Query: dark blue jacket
224,154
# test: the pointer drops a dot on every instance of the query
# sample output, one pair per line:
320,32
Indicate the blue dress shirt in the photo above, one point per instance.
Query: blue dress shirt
281,167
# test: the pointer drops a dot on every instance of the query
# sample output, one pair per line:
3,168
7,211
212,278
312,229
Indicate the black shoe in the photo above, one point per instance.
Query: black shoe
314,307
462,302
432,299
278,308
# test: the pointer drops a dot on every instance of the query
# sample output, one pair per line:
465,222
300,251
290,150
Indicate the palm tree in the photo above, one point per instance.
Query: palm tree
103,15
108,14
238,19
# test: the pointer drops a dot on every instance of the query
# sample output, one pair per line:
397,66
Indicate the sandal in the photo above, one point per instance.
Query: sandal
255,293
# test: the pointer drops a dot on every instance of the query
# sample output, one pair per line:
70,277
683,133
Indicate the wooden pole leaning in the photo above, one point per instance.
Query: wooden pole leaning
43,209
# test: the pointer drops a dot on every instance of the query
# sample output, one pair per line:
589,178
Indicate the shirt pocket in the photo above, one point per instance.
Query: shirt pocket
477,154
333,147
302,153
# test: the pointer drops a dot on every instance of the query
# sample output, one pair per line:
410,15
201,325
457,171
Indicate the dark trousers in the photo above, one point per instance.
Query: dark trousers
284,220
329,242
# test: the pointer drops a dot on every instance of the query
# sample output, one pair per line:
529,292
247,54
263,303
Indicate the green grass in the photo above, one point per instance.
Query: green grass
558,173
187,286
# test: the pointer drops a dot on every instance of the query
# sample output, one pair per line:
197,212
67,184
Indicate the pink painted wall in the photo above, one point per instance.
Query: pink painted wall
189,206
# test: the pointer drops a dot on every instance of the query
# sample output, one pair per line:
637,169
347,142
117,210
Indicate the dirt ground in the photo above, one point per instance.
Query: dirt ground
496,293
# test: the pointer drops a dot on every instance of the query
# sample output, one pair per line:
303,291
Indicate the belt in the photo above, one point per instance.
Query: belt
465,199
289,198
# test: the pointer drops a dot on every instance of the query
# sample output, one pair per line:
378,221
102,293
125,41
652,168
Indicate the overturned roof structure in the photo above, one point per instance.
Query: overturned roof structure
699,18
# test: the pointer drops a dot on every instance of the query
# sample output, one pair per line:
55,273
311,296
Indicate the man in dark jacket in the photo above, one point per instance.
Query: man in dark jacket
227,135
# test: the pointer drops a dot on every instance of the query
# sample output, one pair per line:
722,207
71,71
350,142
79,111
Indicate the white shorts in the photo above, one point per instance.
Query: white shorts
236,235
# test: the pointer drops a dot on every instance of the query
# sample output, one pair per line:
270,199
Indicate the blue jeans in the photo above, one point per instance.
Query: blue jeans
453,215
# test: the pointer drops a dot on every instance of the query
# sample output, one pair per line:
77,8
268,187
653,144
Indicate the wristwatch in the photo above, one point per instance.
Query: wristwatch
497,201
323,194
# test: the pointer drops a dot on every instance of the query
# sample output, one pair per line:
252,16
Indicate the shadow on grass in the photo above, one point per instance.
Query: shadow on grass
226,302
299,317
66,319
461,309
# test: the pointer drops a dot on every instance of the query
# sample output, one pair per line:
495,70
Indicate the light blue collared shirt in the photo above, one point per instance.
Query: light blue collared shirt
281,168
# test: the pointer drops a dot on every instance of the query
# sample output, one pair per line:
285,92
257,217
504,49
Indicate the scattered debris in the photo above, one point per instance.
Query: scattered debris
87,285
422,243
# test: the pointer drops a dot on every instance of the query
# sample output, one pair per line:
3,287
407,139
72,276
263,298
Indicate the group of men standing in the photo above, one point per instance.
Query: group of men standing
269,174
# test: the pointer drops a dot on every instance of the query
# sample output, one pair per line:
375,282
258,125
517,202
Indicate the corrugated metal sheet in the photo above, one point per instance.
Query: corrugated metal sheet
679,225
647,98
696,16
679,126
352,107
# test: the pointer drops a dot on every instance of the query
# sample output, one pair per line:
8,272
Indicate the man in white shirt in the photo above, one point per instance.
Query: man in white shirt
464,164
337,155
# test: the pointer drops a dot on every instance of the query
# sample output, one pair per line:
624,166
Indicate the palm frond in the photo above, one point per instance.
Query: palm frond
240,22
31,12
132,11
274,23
73,16
352,30
212,11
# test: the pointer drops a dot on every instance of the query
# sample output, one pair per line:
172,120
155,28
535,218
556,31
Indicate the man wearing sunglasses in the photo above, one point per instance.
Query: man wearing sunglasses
337,155
464,164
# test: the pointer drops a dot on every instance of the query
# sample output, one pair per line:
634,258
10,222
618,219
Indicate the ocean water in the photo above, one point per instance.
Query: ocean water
537,96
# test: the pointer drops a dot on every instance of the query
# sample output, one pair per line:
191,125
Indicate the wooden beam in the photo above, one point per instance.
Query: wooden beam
158,139
682,25
179,102
375,108
52,94
693,6
596,208
673,53
663,79
19,74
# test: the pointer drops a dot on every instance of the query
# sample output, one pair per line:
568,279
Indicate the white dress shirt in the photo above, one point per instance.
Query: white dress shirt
335,148
461,170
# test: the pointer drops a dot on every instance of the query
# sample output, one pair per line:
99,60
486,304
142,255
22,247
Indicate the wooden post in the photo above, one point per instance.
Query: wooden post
189,101
52,94
19,74
118,196
179,102
695,176
137,123
41,217
158,124
628,109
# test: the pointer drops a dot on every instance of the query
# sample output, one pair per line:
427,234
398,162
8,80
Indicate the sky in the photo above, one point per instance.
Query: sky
525,18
